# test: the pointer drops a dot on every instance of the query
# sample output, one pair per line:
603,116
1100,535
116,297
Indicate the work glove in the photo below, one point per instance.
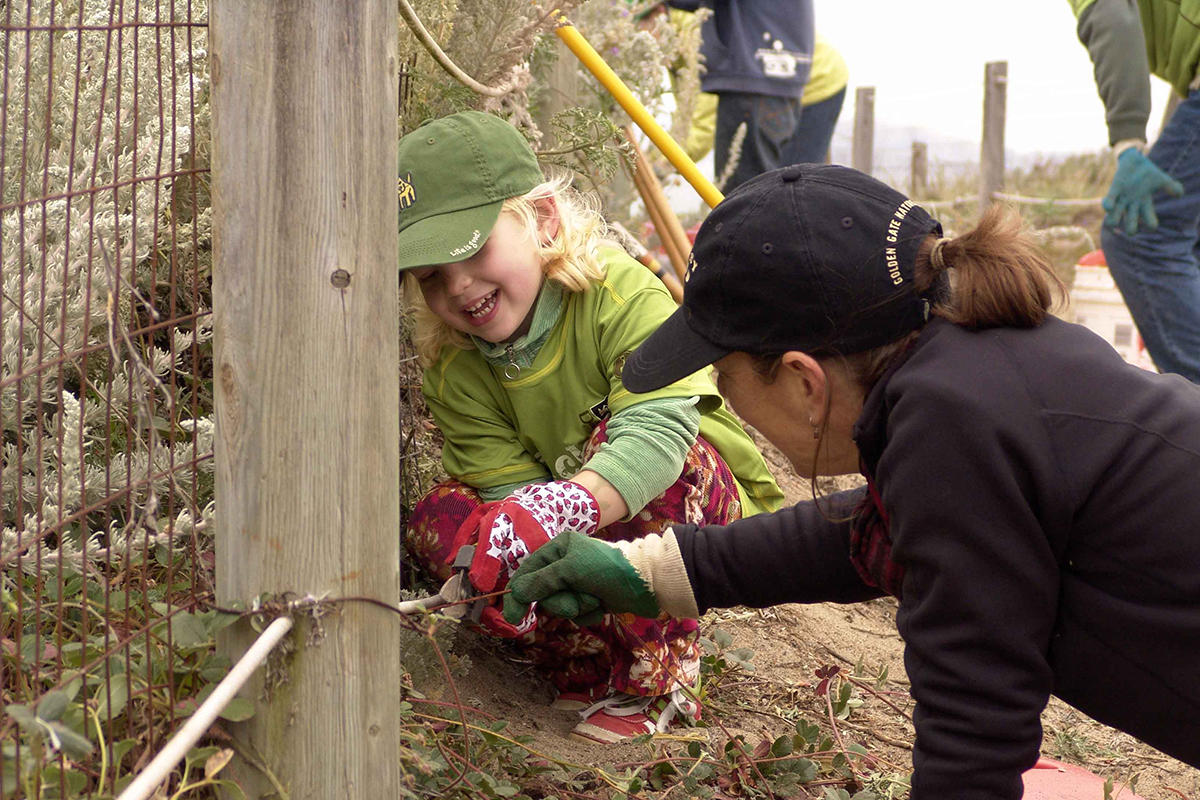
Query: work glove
581,578
1130,198
507,531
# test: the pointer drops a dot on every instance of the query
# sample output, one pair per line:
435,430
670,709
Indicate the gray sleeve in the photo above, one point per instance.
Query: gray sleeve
1112,32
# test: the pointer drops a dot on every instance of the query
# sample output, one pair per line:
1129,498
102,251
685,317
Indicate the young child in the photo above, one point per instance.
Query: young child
1030,497
524,316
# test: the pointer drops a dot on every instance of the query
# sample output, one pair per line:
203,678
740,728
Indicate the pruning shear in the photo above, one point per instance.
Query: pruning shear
454,593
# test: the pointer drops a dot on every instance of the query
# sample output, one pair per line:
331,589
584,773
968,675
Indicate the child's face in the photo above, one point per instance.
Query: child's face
491,294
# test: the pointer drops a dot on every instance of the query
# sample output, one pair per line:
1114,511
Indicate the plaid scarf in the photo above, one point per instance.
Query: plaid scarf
871,544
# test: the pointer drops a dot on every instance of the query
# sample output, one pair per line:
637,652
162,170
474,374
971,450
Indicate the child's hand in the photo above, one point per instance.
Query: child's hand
506,531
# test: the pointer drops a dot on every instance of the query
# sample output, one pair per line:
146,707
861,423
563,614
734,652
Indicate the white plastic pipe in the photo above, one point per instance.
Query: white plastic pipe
160,768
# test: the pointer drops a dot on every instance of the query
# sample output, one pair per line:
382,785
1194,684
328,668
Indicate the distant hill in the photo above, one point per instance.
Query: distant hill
893,152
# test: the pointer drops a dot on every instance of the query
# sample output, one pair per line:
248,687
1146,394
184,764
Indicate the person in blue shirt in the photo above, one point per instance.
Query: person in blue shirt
757,57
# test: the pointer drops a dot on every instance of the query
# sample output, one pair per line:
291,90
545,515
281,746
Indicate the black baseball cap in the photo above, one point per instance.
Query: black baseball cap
810,257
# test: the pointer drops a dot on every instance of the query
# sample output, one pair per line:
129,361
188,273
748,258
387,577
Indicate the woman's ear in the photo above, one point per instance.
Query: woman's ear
548,219
809,378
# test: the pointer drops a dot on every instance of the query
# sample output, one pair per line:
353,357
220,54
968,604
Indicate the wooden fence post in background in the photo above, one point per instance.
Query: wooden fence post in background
306,322
862,153
991,152
560,90
918,172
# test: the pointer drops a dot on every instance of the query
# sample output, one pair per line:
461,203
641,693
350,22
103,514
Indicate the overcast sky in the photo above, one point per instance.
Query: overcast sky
926,59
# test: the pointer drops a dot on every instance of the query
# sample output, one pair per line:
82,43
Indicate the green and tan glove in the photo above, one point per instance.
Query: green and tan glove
580,578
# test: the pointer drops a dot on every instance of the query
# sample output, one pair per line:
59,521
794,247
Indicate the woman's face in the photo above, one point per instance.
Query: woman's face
781,408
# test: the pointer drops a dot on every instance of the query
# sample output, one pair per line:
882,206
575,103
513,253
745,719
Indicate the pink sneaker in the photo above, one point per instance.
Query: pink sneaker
622,717
577,701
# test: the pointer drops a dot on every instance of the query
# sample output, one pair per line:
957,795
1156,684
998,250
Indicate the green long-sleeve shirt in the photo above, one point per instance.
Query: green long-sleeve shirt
1128,40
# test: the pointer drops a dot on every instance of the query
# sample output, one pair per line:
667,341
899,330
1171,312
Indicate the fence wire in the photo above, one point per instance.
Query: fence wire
105,387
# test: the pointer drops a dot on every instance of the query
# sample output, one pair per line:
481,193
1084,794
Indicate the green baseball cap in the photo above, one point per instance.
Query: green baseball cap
455,174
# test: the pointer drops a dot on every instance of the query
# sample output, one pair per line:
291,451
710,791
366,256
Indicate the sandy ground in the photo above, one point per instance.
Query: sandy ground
790,643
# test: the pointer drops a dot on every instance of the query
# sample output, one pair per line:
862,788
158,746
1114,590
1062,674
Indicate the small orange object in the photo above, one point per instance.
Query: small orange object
1054,780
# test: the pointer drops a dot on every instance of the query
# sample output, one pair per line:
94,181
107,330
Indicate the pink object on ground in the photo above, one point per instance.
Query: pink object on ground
1054,780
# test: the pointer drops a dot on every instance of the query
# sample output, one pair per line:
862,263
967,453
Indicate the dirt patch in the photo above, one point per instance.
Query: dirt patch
790,643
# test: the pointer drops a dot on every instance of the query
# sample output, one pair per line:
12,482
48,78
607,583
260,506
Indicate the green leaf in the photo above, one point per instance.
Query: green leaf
216,621
723,639
9,776
52,705
24,716
198,755
807,730
113,699
239,710
74,745
742,653
805,769
188,631
53,775
781,747
120,749
857,749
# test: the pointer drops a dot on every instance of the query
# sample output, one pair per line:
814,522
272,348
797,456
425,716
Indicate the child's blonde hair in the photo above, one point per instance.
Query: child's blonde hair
569,258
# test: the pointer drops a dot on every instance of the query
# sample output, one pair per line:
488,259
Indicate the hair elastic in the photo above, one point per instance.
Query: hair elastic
935,255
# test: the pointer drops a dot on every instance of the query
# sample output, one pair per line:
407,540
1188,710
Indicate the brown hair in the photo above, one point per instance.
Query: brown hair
998,277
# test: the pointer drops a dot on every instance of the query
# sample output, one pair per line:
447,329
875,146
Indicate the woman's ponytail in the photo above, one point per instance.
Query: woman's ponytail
998,275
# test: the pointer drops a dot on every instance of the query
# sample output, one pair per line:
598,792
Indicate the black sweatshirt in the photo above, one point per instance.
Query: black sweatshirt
1044,500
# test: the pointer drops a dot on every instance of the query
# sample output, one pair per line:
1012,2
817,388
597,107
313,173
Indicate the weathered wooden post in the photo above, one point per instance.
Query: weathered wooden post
918,172
560,89
304,99
991,151
862,152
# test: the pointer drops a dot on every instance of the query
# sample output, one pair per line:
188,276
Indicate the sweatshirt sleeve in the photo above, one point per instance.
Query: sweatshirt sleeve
1112,32
646,447
799,554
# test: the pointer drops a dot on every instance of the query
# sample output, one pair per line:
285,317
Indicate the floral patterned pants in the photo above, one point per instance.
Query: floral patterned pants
624,653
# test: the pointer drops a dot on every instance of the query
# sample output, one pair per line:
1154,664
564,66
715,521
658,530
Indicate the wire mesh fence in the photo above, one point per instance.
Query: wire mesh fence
105,388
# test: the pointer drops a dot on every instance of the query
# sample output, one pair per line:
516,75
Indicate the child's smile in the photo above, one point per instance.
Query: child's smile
481,312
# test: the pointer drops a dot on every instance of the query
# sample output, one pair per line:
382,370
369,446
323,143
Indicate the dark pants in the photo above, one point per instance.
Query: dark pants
810,143
1158,271
770,122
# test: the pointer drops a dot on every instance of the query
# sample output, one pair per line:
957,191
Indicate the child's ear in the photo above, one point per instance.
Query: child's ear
548,219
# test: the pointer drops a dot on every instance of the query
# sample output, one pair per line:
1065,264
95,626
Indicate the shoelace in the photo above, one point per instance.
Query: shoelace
668,707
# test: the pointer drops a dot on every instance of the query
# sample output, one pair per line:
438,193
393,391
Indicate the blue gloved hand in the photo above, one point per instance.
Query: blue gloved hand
1130,199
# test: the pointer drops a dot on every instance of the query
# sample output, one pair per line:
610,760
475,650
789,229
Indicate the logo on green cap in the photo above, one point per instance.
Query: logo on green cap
408,195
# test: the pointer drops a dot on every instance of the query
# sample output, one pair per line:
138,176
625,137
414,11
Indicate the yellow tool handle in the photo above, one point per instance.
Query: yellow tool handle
588,56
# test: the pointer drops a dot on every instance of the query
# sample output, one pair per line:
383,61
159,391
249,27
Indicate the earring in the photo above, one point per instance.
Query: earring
816,428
